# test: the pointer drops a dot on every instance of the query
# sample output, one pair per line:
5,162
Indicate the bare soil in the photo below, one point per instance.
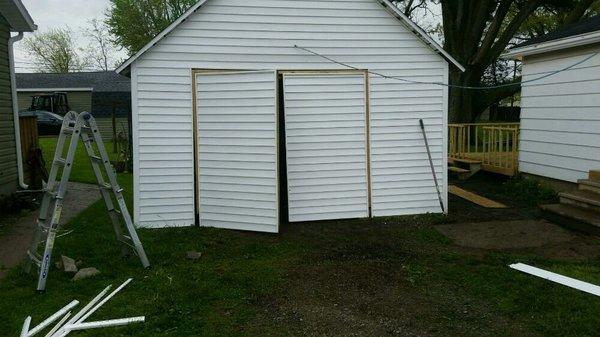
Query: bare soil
18,230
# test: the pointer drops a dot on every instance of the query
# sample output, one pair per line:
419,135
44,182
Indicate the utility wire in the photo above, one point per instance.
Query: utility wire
444,84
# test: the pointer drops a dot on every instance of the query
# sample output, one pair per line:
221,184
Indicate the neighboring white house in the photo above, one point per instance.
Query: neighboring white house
560,114
234,127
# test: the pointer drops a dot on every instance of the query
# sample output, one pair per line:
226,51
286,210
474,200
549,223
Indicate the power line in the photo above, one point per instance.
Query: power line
444,84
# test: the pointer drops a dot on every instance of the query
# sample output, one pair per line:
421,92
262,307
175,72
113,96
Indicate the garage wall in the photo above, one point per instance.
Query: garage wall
560,116
237,34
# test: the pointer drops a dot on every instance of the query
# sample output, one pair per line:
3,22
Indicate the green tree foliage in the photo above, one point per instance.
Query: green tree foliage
54,51
135,22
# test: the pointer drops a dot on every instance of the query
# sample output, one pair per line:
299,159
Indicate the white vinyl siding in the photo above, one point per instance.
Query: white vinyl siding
560,116
326,146
237,161
261,34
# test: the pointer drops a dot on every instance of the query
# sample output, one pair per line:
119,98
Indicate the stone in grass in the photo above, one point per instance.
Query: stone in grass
193,255
85,273
68,264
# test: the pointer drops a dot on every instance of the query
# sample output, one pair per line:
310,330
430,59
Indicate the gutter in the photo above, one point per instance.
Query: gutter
15,107
548,46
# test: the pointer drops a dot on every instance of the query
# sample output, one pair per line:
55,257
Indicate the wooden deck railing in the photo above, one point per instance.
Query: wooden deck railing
495,144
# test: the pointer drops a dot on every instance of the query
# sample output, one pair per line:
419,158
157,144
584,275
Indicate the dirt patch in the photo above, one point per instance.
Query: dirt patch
538,237
374,298
505,234
19,230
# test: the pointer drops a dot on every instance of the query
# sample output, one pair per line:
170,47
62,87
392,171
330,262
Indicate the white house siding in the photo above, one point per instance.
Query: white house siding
237,161
239,34
560,117
326,146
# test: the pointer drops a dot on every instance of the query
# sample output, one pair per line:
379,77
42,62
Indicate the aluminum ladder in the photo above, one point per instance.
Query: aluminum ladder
79,127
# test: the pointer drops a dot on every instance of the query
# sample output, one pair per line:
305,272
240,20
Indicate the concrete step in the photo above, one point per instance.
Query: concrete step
594,175
571,217
583,199
588,185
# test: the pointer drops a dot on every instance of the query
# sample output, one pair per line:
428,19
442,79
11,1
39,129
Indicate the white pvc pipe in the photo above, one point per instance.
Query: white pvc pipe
104,324
52,318
58,325
15,107
62,331
25,329
90,312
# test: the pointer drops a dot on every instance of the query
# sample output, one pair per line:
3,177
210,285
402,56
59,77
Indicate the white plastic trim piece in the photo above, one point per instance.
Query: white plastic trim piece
106,323
564,280
52,318
64,327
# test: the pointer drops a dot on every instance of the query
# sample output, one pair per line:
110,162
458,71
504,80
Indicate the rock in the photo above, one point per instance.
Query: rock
85,273
193,255
68,264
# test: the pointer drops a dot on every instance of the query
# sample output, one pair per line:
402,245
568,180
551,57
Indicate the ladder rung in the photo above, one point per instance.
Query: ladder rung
116,211
35,258
60,161
106,186
52,194
96,158
68,131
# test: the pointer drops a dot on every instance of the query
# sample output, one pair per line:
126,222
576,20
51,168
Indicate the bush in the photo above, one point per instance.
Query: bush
528,191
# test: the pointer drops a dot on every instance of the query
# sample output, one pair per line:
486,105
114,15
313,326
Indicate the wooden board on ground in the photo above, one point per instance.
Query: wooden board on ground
474,198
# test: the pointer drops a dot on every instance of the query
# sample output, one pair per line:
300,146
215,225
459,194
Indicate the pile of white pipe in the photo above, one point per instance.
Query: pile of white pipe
67,323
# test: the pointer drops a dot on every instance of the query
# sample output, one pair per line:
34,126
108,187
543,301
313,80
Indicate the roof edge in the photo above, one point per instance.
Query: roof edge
386,3
421,33
159,37
31,26
553,45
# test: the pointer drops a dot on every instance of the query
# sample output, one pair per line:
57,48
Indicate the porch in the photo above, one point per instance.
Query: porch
492,147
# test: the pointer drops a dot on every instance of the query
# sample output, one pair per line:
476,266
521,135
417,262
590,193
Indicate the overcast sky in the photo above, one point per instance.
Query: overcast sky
49,14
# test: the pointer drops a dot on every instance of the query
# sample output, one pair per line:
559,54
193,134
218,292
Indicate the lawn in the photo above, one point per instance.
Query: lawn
386,277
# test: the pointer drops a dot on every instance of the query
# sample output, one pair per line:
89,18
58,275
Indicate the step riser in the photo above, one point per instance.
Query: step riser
580,204
590,188
570,223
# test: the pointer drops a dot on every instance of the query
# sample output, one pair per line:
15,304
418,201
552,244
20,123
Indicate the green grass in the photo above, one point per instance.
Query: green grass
82,169
241,275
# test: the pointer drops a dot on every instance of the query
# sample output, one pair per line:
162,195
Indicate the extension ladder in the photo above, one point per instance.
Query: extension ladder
79,126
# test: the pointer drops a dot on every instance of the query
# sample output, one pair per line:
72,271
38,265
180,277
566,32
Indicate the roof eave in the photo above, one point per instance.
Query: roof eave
421,33
124,68
22,21
553,45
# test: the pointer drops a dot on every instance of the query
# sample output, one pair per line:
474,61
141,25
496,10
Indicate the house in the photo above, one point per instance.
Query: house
236,127
560,120
96,92
13,18
560,114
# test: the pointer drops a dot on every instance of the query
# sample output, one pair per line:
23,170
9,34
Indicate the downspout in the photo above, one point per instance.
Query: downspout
15,107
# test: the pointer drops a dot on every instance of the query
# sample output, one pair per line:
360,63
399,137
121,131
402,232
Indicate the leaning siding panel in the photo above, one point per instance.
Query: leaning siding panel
235,34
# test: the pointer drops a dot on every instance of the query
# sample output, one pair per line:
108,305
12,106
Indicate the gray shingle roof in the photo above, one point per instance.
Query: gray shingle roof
101,81
587,26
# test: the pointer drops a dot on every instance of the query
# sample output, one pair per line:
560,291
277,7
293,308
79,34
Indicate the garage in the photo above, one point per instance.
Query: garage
253,116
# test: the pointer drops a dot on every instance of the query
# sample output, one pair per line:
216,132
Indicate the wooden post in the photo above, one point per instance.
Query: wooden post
114,128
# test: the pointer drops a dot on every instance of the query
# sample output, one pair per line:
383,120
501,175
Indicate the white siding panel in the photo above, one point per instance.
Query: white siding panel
315,114
231,175
237,34
560,116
